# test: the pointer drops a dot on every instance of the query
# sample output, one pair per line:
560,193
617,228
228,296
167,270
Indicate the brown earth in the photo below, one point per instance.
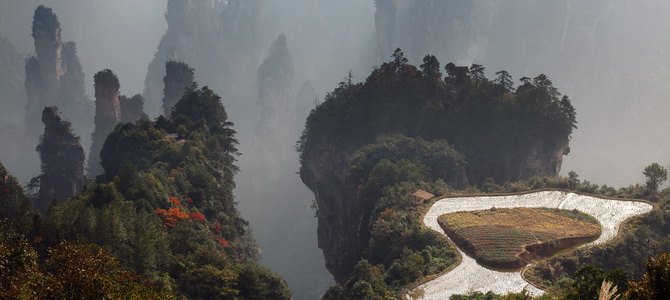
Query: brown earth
512,238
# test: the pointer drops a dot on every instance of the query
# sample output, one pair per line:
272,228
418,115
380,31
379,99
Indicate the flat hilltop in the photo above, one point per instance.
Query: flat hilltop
510,238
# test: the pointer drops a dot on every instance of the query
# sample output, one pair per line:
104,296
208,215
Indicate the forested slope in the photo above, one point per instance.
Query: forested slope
370,145
163,207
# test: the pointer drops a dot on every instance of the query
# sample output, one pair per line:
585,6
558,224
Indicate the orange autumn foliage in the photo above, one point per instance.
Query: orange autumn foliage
171,216
223,242
197,216
175,201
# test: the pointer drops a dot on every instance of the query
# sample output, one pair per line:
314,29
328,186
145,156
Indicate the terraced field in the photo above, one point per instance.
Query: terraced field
510,238
469,276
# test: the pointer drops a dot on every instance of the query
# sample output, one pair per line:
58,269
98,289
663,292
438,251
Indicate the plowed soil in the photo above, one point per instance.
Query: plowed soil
513,237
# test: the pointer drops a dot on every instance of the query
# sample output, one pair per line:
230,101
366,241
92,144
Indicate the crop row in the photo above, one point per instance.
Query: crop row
470,276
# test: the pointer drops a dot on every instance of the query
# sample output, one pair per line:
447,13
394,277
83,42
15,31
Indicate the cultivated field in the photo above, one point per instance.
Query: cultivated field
509,238
470,276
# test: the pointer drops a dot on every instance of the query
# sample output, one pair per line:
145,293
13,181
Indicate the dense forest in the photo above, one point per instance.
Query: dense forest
130,203
162,209
406,127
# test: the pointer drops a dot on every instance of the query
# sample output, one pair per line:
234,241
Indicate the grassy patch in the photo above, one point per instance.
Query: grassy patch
510,238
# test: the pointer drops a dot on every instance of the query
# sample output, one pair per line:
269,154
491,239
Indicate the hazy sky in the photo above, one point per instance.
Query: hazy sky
612,57
121,35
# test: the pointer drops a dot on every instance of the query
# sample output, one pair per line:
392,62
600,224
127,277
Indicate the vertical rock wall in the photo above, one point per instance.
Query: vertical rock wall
324,169
49,49
107,115
446,29
54,77
178,77
223,40
274,131
62,160
132,108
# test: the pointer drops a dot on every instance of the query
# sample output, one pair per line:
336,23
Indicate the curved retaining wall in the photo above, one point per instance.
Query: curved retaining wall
469,276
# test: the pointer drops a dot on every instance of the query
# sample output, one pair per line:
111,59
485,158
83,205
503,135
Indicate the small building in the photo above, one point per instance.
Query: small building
422,197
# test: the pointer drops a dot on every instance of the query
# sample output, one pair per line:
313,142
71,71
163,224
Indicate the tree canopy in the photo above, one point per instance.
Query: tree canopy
163,209
656,176
496,126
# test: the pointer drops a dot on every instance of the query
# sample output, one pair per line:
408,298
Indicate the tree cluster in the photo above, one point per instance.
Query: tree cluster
407,128
496,126
399,249
164,209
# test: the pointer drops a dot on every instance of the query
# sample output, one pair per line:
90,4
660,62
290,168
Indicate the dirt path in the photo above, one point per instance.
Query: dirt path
470,276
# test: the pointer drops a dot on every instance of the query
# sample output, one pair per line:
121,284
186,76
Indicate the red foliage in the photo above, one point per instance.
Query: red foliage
217,228
223,242
175,201
171,216
197,216
190,202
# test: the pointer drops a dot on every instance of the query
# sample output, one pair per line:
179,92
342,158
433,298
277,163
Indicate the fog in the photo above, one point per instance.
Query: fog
611,57
120,35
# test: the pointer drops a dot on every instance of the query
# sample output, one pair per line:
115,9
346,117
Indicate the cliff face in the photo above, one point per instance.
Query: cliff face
132,108
54,77
49,49
33,85
107,115
340,233
502,133
12,99
12,111
541,156
182,42
274,131
544,157
178,77
245,38
306,99
224,41
345,217
62,160
442,28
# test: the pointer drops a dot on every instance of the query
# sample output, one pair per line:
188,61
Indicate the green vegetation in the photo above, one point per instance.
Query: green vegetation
70,271
626,257
494,125
132,108
164,208
395,132
46,20
370,145
569,275
491,296
178,75
510,238
655,284
591,282
656,175
15,205
401,250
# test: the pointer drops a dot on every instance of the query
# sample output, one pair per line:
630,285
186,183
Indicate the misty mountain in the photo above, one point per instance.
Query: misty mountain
62,160
611,57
